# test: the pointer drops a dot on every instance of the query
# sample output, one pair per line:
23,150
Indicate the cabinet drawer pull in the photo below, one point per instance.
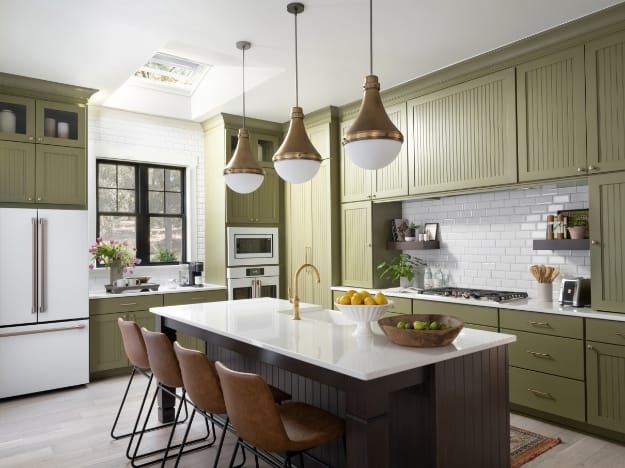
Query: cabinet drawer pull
539,324
581,169
539,355
126,304
541,394
196,298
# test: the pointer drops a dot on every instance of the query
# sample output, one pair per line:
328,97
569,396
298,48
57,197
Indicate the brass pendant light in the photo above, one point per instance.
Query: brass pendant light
297,160
243,174
373,141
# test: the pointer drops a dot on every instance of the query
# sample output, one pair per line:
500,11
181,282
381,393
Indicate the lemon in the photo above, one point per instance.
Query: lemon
380,298
345,300
351,292
364,293
357,299
369,301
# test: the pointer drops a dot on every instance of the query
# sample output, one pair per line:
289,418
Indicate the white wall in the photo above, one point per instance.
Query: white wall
115,134
486,238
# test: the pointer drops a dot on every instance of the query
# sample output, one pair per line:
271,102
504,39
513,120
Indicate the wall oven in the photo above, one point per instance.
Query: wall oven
252,281
252,246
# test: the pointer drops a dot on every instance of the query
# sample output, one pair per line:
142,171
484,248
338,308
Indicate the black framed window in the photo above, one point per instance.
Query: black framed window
144,205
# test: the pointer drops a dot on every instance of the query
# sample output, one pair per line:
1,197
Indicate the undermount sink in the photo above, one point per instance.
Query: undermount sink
316,312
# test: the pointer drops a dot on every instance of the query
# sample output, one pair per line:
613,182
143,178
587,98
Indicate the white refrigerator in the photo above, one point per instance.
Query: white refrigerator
44,300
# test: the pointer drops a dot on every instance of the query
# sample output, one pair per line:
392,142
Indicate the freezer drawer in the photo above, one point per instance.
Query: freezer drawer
42,357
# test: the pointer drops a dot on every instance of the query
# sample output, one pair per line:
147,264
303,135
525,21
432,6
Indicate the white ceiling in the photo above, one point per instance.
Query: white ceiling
100,43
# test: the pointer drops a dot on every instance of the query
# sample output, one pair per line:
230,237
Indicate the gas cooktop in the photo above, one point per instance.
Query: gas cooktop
483,294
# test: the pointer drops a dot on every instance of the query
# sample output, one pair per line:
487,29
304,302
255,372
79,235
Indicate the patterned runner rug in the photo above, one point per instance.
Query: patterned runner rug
526,445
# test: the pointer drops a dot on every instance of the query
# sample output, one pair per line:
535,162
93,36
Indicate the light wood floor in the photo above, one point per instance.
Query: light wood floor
70,428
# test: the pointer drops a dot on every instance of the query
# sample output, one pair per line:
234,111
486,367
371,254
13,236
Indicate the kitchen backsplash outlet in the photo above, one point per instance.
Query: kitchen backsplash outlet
486,239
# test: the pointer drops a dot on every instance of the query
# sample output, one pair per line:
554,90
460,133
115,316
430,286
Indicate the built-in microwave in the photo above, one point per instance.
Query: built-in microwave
252,246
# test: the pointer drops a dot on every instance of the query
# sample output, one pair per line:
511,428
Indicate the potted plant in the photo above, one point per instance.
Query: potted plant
578,226
402,267
410,233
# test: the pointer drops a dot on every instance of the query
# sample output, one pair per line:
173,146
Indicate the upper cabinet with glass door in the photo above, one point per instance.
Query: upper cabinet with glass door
39,121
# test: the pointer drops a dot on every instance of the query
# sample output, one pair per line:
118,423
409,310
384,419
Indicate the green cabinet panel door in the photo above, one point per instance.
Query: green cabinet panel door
106,349
261,206
390,181
605,385
607,232
68,124
606,331
463,136
605,103
551,116
546,324
356,246
17,172
61,175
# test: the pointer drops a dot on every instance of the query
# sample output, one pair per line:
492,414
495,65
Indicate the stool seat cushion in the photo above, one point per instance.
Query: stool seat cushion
308,426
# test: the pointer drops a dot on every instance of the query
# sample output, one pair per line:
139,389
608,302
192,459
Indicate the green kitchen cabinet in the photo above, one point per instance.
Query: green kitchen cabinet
44,161
606,193
391,181
259,207
473,316
106,349
605,103
551,116
463,136
312,218
605,373
365,230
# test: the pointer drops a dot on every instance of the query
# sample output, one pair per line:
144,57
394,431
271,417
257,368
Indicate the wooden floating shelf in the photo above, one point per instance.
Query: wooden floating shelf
562,244
414,245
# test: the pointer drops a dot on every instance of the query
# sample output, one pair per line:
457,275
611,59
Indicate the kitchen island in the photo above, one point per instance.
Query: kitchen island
403,407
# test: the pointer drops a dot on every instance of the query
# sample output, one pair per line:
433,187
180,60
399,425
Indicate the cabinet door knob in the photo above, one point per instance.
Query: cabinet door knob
593,168
30,198
590,347
581,169
31,138
368,245
374,195
39,139
38,198
594,242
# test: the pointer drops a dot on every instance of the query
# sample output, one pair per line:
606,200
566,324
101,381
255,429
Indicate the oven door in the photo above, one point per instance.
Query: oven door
249,288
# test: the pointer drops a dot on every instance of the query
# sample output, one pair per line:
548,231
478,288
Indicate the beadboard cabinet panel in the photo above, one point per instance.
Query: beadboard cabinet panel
605,385
463,136
392,180
607,233
17,169
605,103
551,116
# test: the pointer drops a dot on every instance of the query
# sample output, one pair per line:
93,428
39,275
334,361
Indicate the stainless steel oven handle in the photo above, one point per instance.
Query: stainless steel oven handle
45,330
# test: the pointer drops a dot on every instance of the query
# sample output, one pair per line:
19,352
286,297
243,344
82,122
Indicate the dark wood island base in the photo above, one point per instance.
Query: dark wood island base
449,414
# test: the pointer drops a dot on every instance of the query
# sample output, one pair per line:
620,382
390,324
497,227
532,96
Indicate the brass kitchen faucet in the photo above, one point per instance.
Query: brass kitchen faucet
295,299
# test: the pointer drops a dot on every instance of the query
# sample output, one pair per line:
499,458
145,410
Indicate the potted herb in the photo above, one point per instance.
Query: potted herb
578,226
410,233
402,267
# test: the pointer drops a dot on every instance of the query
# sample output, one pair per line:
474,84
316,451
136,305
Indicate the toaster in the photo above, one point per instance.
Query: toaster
575,292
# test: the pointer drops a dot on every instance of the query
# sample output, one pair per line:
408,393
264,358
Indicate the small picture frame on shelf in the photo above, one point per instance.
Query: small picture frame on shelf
431,229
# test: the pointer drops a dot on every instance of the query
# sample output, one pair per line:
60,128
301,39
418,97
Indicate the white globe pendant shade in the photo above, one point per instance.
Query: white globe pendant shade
373,141
243,183
372,154
297,171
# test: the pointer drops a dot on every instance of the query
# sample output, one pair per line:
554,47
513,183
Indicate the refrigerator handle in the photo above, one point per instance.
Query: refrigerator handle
258,288
42,265
34,289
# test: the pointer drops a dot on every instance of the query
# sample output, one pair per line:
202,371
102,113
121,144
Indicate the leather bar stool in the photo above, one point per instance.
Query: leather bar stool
202,385
164,365
290,428
137,355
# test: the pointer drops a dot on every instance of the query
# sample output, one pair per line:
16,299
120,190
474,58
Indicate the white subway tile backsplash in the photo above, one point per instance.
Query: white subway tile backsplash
486,239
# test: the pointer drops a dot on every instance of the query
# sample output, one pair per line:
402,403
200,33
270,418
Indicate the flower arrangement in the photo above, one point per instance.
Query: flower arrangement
113,254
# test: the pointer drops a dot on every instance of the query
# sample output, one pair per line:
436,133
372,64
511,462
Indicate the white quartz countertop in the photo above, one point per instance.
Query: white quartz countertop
531,305
323,337
102,294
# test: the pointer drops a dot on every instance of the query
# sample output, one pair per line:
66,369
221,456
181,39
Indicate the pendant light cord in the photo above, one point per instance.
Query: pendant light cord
296,68
243,86
370,37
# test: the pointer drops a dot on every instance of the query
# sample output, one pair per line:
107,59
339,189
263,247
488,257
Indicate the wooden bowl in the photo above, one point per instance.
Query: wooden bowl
421,338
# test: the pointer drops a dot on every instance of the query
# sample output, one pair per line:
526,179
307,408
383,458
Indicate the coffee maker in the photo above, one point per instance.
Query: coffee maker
195,270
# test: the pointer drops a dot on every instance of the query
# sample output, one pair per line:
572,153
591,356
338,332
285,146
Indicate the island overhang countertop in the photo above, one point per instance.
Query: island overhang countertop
322,337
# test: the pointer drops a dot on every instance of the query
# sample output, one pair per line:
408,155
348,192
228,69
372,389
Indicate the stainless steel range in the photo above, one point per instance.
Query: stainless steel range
483,294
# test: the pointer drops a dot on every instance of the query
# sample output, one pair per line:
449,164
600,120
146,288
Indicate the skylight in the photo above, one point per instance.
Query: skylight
171,73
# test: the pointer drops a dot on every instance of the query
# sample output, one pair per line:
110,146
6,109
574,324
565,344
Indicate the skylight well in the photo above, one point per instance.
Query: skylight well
170,73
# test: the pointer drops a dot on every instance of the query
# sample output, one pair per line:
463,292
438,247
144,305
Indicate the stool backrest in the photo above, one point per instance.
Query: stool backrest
200,380
163,360
133,343
252,409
